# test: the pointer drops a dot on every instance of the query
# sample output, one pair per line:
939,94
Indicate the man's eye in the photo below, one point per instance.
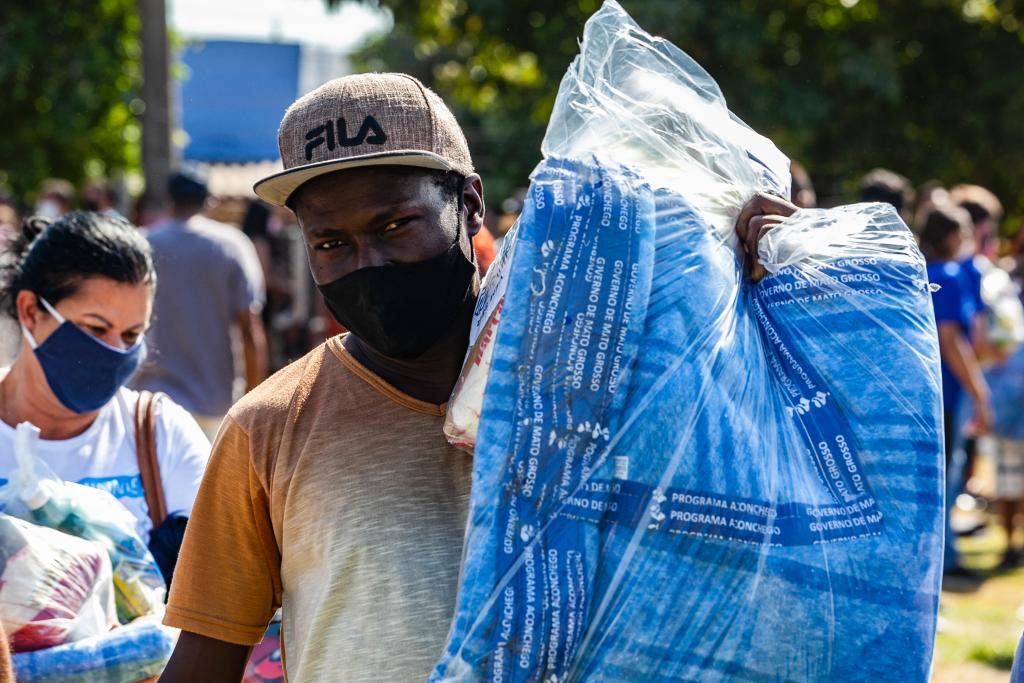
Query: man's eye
330,245
394,225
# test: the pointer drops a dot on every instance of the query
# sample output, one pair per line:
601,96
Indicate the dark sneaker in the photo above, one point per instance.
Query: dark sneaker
1012,559
960,579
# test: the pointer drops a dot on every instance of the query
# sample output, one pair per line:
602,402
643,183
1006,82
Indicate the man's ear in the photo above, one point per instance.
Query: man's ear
473,203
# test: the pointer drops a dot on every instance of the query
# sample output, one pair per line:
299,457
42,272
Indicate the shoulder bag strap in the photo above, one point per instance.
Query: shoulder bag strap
145,451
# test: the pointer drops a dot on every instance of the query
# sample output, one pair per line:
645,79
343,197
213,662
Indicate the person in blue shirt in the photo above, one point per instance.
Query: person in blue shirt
942,237
985,211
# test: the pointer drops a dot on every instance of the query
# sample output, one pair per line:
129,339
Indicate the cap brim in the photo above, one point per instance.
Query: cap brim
275,189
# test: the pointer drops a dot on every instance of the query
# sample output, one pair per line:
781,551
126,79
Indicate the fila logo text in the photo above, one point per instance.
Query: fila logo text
369,132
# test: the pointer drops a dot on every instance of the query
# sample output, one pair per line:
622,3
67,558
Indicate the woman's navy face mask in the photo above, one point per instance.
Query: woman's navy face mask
83,372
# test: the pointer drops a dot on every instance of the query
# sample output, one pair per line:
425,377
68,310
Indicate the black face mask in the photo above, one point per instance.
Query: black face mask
401,310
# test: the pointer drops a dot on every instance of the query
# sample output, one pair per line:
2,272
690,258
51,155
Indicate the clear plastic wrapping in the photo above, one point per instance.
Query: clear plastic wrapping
53,589
680,474
136,652
1004,315
35,494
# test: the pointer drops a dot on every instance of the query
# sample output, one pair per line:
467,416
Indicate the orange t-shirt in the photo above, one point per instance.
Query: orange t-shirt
334,495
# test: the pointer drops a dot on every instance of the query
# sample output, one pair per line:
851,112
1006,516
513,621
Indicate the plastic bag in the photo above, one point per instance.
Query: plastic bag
35,494
1004,319
681,475
462,419
53,589
127,654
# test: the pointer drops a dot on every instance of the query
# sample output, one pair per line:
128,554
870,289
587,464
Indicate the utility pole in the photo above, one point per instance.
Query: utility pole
156,118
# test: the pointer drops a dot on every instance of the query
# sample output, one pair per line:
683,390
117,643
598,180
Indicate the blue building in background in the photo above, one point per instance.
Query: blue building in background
233,96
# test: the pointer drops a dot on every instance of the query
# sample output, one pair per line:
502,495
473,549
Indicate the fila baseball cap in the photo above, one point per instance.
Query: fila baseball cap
381,119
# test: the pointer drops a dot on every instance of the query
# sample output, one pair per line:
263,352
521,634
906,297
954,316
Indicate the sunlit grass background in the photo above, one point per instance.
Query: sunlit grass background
978,630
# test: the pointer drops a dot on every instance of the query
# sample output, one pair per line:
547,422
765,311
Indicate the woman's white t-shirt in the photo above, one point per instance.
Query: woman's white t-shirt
104,456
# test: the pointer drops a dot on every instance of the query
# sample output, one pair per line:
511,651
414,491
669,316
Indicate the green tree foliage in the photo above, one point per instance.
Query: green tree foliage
69,71
929,88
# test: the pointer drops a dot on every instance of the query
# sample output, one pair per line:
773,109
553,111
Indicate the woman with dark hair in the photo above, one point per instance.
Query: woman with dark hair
81,289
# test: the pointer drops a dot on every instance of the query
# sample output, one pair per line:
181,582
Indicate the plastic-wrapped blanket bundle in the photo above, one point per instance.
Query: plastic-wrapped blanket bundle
54,589
135,652
38,496
86,570
681,475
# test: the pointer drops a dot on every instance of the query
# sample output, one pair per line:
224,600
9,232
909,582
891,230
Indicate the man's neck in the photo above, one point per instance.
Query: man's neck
184,213
432,376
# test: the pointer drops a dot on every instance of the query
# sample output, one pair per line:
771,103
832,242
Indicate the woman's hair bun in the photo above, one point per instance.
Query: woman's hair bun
32,227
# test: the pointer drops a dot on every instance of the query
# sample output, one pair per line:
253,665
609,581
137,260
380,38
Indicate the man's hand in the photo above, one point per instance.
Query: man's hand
983,417
759,215
254,348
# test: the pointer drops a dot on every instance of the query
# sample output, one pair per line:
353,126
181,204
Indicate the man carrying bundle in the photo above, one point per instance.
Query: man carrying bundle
331,491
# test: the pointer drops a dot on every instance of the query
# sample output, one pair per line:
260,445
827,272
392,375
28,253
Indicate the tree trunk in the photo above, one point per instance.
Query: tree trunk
156,118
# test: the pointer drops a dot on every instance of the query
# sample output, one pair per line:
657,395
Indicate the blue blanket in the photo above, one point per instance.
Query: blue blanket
680,475
129,653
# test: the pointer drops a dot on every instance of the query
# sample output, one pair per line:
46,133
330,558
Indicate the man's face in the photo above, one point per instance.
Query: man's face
957,240
985,231
94,199
381,215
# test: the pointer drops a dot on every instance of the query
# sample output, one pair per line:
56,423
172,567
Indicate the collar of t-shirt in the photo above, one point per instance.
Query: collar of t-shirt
337,347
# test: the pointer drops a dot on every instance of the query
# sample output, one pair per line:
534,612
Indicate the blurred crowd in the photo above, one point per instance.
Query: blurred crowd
236,302
292,319
976,270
